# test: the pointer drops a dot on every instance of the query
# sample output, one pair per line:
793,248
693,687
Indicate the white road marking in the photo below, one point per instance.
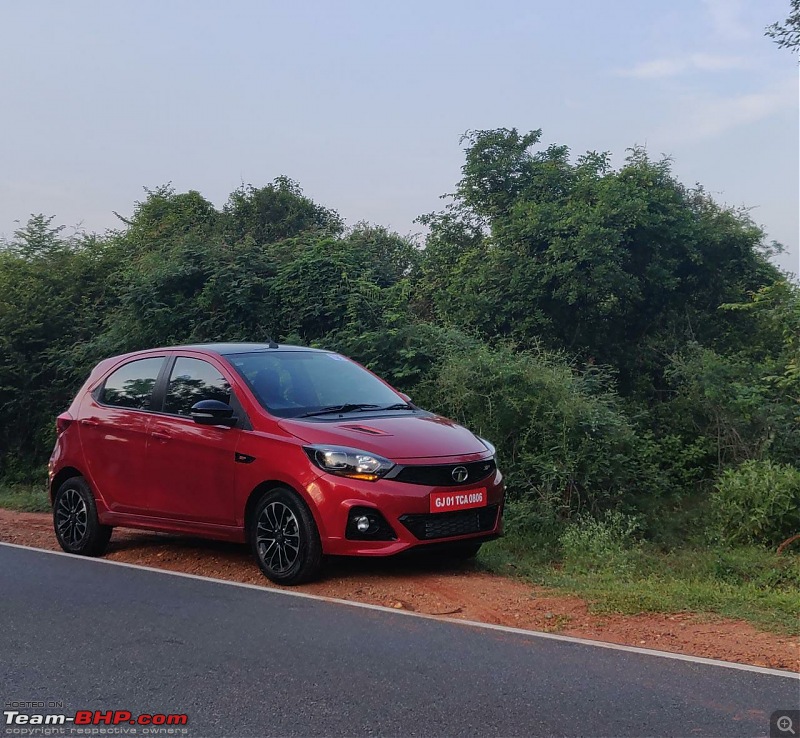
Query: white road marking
438,618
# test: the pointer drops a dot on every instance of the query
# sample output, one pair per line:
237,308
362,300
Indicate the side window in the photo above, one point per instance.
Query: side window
193,380
132,384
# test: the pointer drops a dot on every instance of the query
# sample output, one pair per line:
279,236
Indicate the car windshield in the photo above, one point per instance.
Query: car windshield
291,384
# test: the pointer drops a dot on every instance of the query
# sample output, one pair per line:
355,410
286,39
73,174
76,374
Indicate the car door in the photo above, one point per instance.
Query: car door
192,466
113,424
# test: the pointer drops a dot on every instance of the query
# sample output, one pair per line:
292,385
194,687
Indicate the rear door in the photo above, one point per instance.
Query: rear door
113,426
192,466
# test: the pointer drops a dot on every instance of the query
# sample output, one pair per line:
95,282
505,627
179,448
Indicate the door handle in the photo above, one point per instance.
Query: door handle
91,422
161,435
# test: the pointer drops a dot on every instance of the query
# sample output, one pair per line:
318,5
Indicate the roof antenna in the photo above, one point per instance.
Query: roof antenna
271,343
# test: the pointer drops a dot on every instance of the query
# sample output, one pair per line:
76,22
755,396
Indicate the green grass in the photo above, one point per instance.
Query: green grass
752,584
24,497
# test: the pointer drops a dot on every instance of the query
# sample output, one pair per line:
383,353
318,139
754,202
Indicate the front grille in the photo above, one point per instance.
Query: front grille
441,475
426,527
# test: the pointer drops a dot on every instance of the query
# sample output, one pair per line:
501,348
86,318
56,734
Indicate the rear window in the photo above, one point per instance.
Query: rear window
132,384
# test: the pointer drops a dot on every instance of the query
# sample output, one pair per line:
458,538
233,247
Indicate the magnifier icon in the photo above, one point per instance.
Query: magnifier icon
785,724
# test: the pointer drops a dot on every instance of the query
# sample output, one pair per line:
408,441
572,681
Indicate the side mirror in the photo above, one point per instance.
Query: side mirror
213,412
405,397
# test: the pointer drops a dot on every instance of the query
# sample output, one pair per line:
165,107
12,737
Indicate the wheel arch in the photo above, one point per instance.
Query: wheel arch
266,486
68,472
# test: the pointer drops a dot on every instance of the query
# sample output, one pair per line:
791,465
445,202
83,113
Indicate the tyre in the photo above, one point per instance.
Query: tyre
284,538
75,520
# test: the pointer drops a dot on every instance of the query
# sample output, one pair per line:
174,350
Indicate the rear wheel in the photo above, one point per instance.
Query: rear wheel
75,520
284,538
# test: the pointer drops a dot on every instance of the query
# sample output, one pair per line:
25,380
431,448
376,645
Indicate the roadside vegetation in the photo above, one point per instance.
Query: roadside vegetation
617,570
30,496
623,340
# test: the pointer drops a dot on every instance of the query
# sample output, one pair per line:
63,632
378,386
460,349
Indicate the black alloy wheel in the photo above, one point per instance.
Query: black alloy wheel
77,527
284,538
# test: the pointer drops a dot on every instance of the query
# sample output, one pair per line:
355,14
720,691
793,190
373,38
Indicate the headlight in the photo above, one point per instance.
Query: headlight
348,462
488,445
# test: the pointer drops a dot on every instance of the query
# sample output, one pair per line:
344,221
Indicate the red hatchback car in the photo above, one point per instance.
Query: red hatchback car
296,451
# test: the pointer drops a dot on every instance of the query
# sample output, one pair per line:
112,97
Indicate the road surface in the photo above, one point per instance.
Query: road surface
249,662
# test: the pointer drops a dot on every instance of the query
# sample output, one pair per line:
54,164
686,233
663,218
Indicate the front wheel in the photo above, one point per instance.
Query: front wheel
75,520
284,538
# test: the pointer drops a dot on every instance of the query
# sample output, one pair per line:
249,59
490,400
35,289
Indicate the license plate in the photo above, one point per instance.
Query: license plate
448,501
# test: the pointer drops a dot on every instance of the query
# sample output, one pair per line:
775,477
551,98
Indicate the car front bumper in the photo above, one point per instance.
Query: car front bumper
406,508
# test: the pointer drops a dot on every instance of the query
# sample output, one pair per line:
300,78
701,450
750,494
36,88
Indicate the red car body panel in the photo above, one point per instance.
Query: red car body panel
398,438
165,472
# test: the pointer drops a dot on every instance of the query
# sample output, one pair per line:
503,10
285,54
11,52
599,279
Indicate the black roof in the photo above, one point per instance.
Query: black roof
226,349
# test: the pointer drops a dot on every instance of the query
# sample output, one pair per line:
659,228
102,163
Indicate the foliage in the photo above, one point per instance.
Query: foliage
617,572
560,431
787,34
775,311
622,266
757,503
275,212
404,353
601,545
25,497
51,290
735,403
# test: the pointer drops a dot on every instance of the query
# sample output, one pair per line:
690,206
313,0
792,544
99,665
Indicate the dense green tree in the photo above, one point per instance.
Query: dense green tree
52,292
187,272
271,263
620,266
272,213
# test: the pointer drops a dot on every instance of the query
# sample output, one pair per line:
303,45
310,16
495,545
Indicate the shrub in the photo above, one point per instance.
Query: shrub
759,502
733,403
562,437
604,545
753,565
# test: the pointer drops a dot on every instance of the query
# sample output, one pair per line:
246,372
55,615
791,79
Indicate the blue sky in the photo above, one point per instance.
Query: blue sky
363,102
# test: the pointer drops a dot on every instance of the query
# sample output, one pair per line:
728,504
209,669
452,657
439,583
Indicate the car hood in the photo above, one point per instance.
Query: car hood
397,437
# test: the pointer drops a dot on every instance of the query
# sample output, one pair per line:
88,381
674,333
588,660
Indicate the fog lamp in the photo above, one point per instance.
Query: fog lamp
367,524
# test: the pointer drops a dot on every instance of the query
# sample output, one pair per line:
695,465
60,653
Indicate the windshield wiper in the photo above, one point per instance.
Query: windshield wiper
399,406
348,407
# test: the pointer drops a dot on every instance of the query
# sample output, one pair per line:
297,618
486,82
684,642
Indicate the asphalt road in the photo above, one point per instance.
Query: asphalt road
247,662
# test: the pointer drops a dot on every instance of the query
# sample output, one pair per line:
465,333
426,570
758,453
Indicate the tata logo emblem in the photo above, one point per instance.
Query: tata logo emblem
460,474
